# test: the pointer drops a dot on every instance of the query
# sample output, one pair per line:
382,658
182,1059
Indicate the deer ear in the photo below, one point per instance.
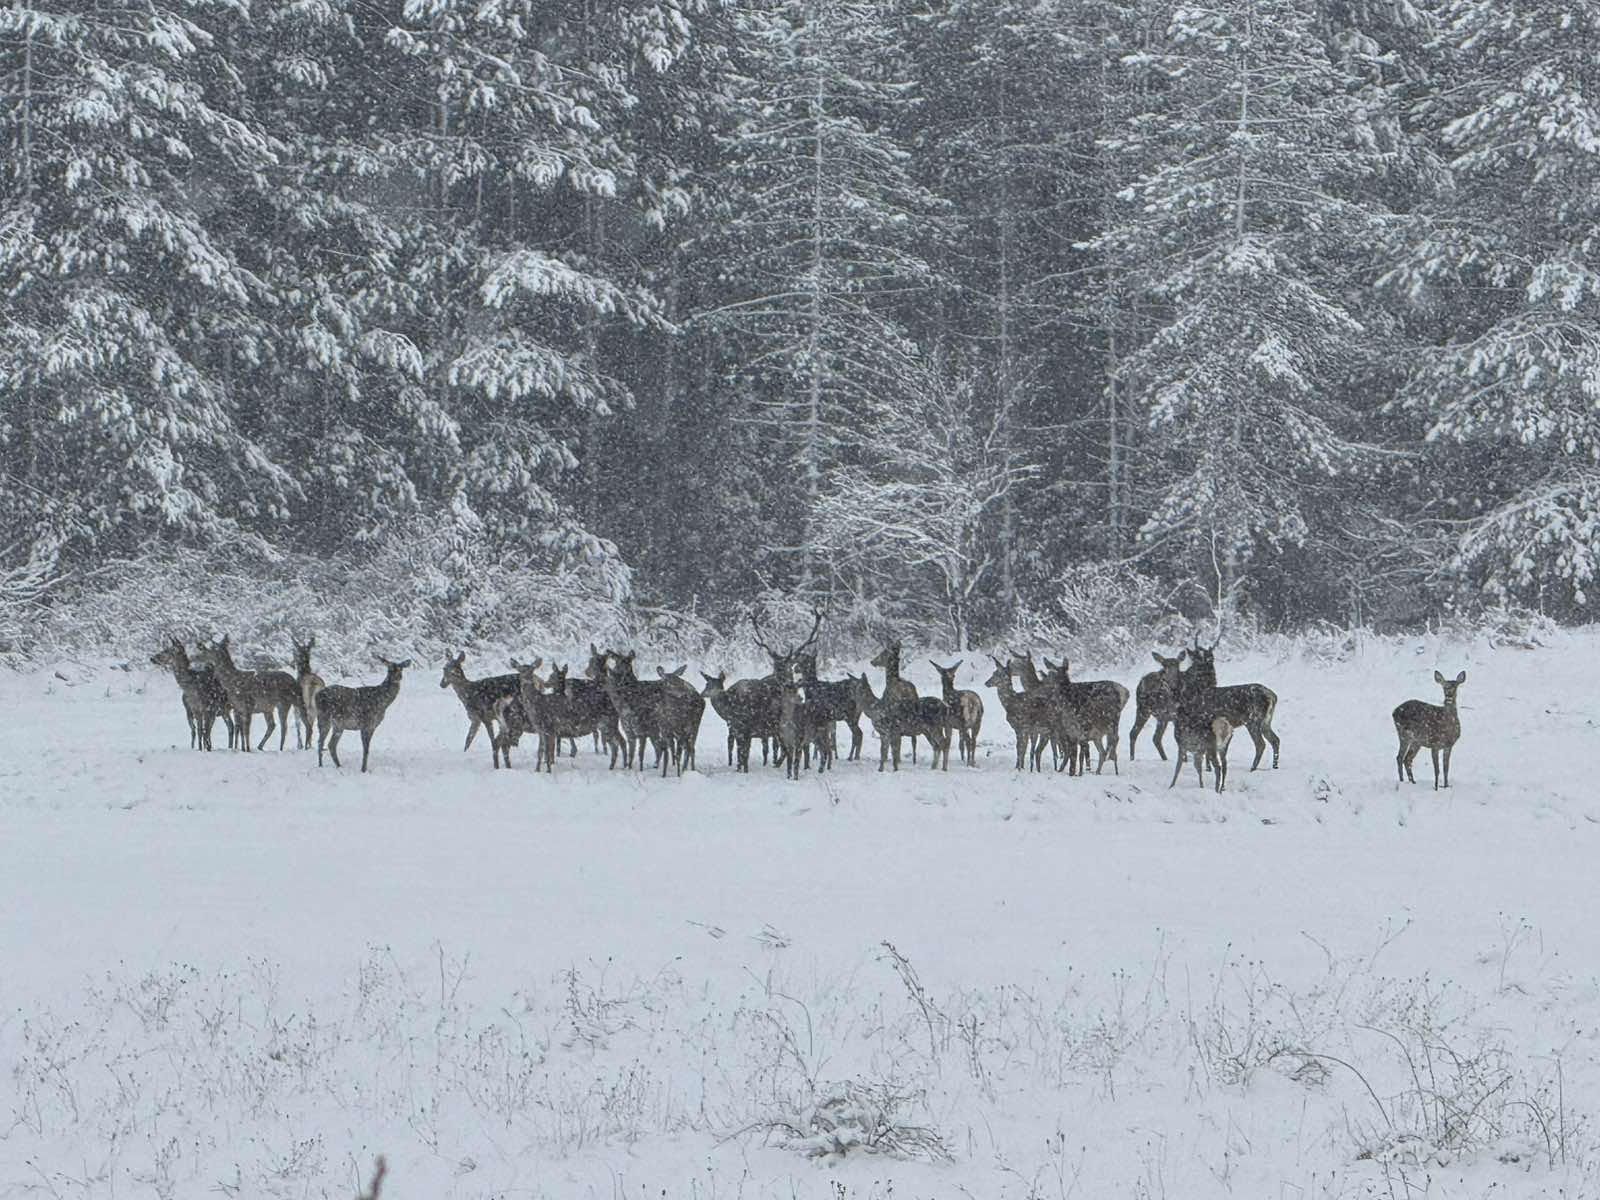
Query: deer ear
1461,678
1438,678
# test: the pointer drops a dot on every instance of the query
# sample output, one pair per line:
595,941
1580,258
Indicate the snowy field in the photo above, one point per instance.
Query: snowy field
242,976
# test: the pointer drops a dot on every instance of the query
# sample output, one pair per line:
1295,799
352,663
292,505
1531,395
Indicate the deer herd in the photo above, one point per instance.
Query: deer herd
794,714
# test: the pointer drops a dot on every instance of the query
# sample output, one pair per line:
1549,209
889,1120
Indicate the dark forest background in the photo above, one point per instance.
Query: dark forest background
934,312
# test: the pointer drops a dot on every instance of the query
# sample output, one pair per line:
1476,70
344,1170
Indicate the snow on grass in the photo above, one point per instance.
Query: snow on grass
240,975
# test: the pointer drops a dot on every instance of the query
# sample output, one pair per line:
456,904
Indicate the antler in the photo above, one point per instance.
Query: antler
755,628
811,637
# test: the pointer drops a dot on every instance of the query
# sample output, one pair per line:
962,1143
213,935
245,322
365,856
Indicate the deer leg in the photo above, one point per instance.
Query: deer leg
283,726
1447,750
333,746
1434,750
1139,718
366,745
574,747
1261,743
1177,769
271,725
322,739
472,732
856,737
1273,738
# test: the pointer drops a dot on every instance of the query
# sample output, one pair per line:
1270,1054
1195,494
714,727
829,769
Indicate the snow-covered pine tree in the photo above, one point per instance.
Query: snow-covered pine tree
1239,238
338,387
123,146
821,255
519,135
1504,280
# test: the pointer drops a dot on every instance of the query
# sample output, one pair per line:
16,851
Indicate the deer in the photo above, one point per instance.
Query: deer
309,684
1098,705
783,669
893,719
204,699
803,725
663,713
479,697
1436,726
1156,696
1200,728
838,701
588,695
251,692
1028,714
895,689
363,708
966,709
1251,705
745,708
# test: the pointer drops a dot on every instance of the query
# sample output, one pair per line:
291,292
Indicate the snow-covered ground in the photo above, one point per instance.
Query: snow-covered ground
242,975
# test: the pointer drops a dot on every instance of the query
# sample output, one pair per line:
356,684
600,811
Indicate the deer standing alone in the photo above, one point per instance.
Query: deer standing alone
362,708
1436,726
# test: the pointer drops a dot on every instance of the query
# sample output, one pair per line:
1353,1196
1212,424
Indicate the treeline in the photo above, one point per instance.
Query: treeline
930,310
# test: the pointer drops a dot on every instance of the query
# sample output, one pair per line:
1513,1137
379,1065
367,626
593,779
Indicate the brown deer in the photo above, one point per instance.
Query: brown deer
1251,705
893,719
802,728
363,708
1436,726
838,701
966,710
896,690
664,714
251,692
1028,714
309,684
745,708
204,699
1098,704
1156,696
1200,728
479,697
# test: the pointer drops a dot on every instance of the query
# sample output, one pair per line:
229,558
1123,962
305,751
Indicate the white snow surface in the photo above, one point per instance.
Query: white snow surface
240,975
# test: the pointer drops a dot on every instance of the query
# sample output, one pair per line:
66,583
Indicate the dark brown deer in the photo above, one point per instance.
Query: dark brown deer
360,708
250,692
1156,696
892,719
745,707
1028,714
837,699
896,690
1098,704
309,683
966,710
1200,728
479,697
1436,726
654,710
584,708
1251,705
204,699
802,728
